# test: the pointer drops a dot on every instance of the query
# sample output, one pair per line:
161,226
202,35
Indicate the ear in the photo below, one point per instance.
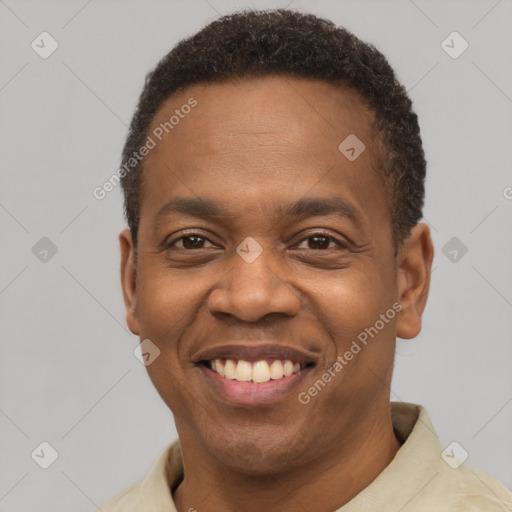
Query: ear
128,279
414,261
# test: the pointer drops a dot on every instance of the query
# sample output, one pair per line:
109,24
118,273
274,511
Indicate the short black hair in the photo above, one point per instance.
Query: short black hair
254,43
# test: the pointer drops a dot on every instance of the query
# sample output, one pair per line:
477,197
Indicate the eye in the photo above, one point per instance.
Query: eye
316,241
321,241
190,241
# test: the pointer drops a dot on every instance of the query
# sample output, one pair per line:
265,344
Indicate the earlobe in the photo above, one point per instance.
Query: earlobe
128,279
414,269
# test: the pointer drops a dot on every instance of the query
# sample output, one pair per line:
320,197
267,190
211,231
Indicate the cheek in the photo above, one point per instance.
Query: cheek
363,344
167,306
351,302
170,382
166,301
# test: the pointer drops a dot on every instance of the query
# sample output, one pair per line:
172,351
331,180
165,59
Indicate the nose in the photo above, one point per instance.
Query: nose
251,291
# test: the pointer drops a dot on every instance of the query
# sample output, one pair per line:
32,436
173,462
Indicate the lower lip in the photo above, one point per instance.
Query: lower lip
253,393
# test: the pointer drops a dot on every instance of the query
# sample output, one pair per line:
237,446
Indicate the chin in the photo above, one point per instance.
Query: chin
257,456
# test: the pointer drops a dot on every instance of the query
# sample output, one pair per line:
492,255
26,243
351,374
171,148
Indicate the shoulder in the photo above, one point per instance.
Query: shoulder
476,490
125,501
427,480
153,491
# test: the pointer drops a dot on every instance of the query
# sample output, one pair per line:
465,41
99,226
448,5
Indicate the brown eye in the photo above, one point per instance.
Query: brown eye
193,242
322,242
189,242
319,242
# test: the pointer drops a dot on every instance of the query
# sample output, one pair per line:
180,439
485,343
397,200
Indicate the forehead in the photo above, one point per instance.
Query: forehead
303,118
269,139
296,112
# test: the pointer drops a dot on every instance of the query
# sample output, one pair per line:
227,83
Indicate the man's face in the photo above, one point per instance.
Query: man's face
256,149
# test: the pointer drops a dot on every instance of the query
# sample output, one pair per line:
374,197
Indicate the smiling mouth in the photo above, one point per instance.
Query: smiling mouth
256,372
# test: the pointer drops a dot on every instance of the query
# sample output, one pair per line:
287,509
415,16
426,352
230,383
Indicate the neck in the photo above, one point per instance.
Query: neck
323,484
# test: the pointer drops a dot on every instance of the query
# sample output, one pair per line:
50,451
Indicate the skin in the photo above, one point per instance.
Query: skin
252,146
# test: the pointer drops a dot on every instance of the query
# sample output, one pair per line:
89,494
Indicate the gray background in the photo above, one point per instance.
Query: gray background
68,374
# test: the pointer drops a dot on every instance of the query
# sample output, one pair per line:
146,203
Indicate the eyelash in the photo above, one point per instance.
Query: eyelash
171,244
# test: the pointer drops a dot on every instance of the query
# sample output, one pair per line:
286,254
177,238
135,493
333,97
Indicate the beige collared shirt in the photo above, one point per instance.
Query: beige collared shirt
418,478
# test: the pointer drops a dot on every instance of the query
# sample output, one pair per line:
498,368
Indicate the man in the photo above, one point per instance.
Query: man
274,182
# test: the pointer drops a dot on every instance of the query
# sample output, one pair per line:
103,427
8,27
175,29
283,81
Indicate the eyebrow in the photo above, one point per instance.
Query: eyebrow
302,208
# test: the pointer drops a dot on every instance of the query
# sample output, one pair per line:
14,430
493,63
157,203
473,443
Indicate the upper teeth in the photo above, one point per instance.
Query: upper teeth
257,371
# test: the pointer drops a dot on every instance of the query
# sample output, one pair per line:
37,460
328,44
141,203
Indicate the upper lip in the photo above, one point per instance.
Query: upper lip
254,352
